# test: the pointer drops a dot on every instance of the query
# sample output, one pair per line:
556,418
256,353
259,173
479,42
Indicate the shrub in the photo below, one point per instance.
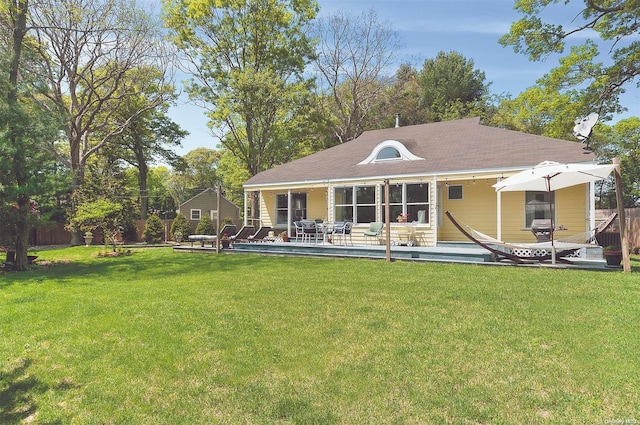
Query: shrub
180,224
205,226
153,231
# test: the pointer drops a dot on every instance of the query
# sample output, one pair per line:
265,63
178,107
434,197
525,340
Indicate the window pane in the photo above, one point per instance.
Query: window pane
455,191
395,193
344,195
343,213
537,206
366,195
281,201
366,214
417,193
388,153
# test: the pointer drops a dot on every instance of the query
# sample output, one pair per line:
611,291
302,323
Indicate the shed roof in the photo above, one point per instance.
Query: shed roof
446,147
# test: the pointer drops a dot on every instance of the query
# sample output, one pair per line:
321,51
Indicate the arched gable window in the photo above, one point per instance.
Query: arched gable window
389,150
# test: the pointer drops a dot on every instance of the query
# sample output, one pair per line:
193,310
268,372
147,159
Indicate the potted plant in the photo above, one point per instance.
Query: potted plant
88,237
177,236
613,255
402,218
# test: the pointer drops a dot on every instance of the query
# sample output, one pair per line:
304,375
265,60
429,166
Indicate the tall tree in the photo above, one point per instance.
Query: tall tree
401,98
90,49
450,86
354,56
616,22
24,128
150,135
247,61
198,172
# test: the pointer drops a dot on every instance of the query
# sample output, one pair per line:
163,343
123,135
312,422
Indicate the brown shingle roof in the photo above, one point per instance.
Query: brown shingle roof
447,147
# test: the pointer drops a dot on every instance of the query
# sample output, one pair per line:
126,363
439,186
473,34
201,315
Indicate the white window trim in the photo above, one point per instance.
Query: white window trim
192,211
405,155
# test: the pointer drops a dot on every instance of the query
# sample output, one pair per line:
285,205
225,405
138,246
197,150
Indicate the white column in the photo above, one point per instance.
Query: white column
499,214
246,209
433,217
592,206
288,212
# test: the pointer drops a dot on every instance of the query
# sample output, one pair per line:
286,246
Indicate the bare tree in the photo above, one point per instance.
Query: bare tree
354,55
90,50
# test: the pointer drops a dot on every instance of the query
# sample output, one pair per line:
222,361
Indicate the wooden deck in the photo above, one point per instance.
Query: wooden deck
447,252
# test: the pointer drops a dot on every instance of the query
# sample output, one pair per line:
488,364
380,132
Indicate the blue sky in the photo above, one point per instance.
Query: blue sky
426,27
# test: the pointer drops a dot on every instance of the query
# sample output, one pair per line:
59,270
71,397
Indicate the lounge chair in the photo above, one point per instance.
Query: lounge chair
227,229
519,253
375,230
243,234
262,233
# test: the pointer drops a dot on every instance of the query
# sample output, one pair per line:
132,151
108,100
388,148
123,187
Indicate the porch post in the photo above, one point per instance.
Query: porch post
288,212
499,215
433,195
246,209
592,206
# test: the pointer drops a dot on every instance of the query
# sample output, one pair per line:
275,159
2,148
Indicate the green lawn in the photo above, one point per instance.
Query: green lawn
164,338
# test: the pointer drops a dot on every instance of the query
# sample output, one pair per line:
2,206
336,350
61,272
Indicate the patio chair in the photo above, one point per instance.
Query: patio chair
341,230
310,230
375,230
299,231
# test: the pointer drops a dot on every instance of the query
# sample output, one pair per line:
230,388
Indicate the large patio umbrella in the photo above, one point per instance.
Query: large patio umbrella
549,176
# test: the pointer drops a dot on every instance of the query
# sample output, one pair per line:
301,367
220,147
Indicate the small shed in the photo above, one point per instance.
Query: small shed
205,203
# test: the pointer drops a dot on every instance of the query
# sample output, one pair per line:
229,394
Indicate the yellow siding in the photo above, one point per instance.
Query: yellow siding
477,208
570,211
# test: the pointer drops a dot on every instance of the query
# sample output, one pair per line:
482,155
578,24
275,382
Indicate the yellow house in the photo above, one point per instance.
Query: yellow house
430,168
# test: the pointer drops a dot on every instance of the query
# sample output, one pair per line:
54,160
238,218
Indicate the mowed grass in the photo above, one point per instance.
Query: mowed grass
165,338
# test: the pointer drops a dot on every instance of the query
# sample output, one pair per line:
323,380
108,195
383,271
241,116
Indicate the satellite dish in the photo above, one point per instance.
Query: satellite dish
582,129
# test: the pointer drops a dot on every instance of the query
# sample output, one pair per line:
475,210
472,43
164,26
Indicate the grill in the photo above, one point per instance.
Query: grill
541,229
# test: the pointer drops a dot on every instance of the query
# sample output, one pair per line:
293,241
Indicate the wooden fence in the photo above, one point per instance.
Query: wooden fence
632,216
56,234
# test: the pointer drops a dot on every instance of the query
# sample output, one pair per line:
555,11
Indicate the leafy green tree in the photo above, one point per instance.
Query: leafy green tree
602,77
91,50
25,127
180,227
199,171
104,214
402,98
451,87
150,136
153,230
104,180
247,61
620,140
205,226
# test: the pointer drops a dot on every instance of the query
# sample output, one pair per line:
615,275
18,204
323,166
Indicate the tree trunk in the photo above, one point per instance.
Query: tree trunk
143,170
21,243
